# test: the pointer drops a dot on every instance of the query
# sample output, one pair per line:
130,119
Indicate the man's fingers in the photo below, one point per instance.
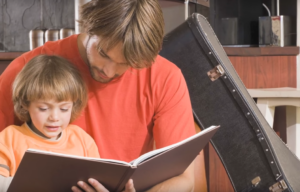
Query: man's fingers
75,189
84,186
98,186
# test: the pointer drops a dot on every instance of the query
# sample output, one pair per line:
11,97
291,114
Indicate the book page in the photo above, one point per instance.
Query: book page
78,157
158,151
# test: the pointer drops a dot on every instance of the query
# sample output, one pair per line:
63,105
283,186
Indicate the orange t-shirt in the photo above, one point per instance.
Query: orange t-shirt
15,140
125,115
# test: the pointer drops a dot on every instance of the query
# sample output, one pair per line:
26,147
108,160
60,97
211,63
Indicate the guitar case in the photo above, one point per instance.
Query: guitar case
255,158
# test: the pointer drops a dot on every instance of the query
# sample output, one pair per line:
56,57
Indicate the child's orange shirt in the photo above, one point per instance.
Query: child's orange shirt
15,140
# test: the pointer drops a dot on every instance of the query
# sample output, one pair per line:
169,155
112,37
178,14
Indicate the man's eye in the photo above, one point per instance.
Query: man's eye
102,54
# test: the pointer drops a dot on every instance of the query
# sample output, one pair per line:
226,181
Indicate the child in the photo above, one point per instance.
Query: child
48,94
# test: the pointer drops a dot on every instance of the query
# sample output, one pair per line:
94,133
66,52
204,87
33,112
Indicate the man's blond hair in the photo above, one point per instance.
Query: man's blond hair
48,78
138,24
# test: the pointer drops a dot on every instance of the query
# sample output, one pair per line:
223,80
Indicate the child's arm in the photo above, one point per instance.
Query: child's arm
4,183
93,150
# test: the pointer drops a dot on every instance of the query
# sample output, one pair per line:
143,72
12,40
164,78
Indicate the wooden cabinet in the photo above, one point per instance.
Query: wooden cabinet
266,67
266,71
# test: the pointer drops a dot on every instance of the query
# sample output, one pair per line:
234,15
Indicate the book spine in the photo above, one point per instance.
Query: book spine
125,178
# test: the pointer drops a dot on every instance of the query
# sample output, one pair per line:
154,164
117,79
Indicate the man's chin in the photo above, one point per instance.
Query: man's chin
101,80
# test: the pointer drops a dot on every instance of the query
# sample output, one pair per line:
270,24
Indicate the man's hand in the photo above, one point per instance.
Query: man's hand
129,187
97,187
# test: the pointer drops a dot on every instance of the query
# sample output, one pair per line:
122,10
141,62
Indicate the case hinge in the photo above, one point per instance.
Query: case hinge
216,72
278,187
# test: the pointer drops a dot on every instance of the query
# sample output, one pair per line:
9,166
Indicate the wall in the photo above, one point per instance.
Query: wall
174,12
247,13
298,44
18,17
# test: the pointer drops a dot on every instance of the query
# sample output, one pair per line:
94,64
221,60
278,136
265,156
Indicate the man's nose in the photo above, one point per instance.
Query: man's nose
110,69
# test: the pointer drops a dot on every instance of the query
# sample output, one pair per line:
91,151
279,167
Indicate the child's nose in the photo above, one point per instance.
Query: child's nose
53,115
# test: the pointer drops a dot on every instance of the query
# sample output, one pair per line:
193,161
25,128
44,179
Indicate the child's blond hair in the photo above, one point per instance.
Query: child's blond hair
49,78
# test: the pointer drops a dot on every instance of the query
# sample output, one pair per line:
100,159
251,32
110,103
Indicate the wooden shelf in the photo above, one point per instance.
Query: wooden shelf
262,51
231,51
6,56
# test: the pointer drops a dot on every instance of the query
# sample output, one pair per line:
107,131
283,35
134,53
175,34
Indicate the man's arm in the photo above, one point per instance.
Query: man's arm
173,122
183,182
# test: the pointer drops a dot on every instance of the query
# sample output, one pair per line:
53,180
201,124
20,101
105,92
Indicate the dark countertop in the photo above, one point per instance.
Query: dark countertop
231,51
262,51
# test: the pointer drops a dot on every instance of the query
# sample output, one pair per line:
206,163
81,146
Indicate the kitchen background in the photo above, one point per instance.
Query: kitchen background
237,19
18,17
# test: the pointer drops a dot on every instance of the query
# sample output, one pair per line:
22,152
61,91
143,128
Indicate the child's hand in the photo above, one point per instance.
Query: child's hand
97,187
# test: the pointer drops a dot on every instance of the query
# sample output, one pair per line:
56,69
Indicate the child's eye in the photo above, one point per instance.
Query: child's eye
42,109
64,110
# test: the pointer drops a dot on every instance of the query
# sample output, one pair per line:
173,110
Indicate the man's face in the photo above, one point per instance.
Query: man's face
105,65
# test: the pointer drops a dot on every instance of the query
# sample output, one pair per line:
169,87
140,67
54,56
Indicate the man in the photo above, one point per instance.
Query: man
135,96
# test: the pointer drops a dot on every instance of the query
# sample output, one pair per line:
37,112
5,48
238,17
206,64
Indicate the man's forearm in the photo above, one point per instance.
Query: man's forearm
181,183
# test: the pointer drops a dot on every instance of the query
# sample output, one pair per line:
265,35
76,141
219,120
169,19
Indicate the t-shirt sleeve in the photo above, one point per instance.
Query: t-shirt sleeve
173,119
91,147
93,150
5,160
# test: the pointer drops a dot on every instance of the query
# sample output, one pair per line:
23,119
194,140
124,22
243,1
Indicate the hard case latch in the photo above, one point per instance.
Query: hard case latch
278,187
216,72
255,181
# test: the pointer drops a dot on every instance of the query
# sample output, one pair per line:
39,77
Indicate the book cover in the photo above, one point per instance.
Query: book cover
48,171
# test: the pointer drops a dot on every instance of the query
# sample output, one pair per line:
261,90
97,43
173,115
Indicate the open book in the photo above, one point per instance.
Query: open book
48,171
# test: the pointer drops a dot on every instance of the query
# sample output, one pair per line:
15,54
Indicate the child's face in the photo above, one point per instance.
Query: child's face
50,117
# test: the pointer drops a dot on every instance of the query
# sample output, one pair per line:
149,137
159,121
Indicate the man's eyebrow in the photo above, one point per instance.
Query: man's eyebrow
101,50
